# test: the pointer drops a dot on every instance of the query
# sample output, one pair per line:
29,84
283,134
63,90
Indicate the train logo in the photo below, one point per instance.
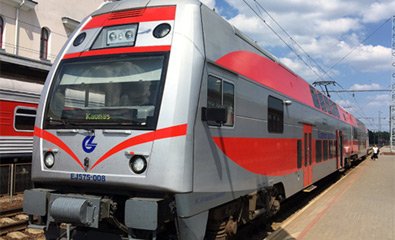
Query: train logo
88,145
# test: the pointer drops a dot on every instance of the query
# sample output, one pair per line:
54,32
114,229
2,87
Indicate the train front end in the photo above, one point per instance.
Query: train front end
113,136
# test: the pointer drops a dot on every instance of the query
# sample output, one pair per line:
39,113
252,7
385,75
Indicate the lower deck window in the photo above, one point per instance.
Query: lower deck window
275,115
24,119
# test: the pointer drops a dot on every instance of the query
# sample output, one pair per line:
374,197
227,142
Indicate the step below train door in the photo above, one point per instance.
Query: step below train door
307,155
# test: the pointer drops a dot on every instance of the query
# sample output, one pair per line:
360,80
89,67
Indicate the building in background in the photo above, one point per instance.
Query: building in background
33,32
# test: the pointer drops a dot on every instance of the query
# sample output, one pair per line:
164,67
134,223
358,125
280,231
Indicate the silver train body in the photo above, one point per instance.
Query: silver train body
160,115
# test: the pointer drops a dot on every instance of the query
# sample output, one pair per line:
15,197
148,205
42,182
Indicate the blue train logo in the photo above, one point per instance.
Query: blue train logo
88,145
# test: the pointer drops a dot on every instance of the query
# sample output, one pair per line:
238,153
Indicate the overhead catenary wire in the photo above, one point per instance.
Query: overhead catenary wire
282,39
301,48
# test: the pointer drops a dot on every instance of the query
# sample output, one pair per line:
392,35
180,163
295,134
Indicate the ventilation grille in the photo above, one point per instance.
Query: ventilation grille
127,14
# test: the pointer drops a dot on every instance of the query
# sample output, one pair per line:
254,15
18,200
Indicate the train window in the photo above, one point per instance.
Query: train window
315,97
325,147
318,150
275,115
118,92
355,131
214,96
1,31
299,149
322,101
221,94
24,119
229,102
44,43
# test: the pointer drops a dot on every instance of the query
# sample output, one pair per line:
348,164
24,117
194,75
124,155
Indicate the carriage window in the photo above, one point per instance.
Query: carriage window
315,97
325,149
299,149
318,150
221,94
275,115
24,119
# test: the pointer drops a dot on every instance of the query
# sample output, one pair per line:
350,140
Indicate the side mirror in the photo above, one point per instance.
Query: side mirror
217,115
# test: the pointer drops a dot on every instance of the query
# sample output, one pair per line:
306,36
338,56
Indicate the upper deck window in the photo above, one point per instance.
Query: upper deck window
113,92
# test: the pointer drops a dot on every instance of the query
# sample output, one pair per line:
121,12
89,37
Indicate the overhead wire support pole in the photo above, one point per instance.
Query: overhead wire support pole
325,84
362,90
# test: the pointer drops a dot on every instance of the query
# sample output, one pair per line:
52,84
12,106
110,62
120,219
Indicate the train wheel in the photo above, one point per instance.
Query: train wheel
222,231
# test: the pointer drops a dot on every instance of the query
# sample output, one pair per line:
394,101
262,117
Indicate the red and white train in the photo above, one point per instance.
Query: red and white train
18,107
160,118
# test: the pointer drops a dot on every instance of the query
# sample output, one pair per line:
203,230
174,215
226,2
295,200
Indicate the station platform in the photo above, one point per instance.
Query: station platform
359,206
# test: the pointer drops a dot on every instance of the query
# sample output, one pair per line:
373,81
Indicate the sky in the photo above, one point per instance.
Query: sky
348,42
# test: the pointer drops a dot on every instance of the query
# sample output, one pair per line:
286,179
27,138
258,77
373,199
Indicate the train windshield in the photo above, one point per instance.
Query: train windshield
118,92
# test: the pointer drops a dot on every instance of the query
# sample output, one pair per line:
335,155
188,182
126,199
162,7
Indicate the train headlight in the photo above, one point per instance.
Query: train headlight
49,159
116,36
79,39
138,164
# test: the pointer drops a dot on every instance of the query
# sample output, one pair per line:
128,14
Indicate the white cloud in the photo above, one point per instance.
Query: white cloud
327,30
379,100
373,86
378,11
337,26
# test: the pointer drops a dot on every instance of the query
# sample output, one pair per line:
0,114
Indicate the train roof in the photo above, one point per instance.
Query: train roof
128,4
11,89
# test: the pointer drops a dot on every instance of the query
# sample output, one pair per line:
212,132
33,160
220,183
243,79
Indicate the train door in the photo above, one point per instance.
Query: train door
307,160
339,149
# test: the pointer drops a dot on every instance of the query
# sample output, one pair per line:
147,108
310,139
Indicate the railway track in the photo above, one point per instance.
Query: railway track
12,220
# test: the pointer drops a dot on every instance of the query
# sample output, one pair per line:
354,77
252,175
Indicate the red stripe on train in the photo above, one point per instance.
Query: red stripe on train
40,133
169,132
7,118
175,131
132,16
110,51
267,73
270,157
274,76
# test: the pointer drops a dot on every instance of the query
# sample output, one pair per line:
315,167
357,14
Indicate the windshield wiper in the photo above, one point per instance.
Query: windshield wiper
60,122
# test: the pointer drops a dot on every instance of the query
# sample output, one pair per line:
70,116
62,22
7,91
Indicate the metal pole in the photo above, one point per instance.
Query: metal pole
392,105
12,181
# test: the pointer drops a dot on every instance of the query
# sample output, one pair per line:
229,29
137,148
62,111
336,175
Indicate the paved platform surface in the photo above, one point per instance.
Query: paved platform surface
359,206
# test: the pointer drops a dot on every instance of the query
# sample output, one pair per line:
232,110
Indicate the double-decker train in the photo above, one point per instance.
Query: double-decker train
159,119
18,106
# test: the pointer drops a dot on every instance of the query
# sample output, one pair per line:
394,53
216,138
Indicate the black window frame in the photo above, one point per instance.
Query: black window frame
275,116
318,151
221,104
316,101
299,153
24,115
152,126
325,147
